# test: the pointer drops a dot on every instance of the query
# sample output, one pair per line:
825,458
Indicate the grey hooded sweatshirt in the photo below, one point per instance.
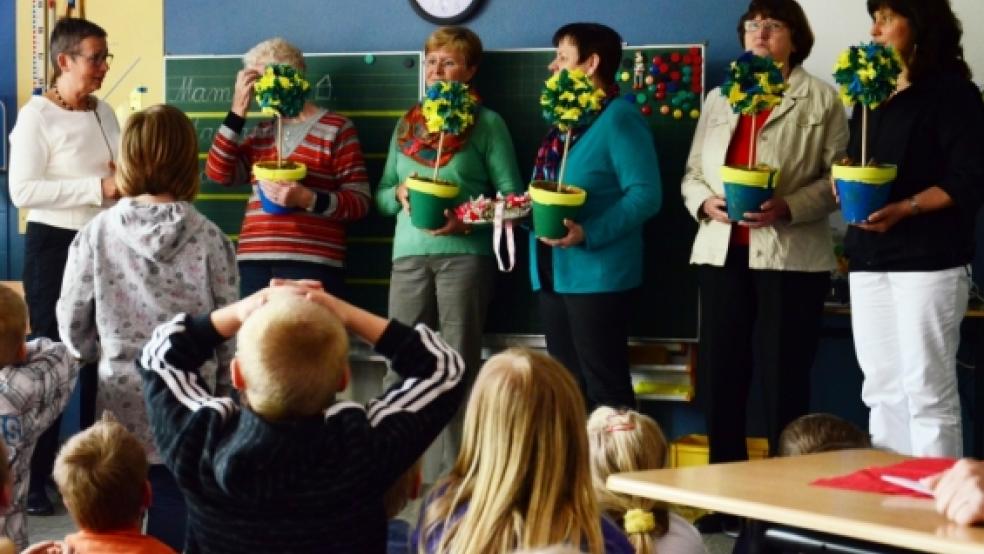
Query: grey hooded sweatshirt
131,268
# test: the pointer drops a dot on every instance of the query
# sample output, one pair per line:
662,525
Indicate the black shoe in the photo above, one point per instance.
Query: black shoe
717,522
39,505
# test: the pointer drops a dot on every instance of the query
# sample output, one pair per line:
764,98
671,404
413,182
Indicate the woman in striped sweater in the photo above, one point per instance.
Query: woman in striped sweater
309,242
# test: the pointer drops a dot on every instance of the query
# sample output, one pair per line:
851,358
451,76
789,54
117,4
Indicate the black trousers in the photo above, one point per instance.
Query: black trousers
588,333
755,319
45,255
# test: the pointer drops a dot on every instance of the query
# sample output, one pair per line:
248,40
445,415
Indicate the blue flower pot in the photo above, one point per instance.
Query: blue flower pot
862,190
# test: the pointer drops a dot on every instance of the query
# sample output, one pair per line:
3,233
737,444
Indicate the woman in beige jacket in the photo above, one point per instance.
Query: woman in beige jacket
763,279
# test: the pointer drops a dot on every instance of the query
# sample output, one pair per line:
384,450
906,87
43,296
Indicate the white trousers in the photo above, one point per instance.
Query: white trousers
906,333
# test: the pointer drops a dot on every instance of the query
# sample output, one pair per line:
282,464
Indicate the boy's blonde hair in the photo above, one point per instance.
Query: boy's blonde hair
821,432
625,440
13,325
293,354
522,474
101,474
459,39
275,51
159,154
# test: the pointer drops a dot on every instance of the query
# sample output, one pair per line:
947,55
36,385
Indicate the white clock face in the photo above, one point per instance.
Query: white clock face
445,11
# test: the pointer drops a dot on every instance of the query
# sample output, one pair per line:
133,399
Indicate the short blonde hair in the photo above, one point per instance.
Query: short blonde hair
13,325
101,474
459,39
821,432
275,51
159,154
522,470
293,353
625,440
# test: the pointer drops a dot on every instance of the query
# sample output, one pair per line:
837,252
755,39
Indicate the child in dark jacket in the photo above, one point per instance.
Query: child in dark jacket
293,469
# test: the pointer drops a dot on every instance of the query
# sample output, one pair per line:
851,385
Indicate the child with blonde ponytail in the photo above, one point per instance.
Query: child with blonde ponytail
521,480
624,440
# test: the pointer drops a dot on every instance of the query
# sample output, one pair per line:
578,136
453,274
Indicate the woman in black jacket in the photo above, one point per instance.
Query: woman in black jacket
909,262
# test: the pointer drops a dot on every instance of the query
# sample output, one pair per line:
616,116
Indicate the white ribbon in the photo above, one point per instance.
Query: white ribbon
497,224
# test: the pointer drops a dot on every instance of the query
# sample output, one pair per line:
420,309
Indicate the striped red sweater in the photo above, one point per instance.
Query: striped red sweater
336,173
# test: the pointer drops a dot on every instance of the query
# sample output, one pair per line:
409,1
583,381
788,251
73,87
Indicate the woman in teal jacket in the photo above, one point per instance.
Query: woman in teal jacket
586,280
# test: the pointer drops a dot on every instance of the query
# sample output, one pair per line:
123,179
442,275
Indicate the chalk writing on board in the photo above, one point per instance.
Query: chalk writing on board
189,92
322,90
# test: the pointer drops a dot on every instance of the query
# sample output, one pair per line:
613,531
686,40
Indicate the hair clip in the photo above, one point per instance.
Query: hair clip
619,421
638,520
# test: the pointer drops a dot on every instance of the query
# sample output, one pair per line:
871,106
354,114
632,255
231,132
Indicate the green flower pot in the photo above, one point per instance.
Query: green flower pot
428,201
551,207
746,189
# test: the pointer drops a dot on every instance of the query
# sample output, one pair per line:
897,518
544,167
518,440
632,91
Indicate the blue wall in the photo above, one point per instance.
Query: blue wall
195,27
11,243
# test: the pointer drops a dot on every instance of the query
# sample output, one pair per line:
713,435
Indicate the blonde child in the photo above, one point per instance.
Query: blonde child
624,440
820,432
132,268
521,479
36,381
293,469
101,474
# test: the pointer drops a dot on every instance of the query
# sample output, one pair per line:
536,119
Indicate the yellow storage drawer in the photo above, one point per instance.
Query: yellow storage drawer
692,450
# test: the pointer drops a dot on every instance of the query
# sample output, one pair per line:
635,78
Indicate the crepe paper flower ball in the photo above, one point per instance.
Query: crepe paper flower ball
281,90
867,73
754,84
569,99
449,107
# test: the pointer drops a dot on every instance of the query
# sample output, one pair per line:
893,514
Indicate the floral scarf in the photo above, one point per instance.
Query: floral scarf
416,142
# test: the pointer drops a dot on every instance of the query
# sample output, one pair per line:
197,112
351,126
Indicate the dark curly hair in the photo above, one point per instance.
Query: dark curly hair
936,33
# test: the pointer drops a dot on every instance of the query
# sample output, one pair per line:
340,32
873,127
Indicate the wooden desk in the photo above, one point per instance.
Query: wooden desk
778,490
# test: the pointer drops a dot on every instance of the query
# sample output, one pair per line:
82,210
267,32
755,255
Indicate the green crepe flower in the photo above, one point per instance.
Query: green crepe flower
281,90
569,99
754,84
449,107
867,73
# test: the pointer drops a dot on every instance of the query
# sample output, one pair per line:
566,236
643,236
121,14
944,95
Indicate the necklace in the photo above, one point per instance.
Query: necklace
65,104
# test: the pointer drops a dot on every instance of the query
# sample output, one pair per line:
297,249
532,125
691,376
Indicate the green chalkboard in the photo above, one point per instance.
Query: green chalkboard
372,90
375,91
510,83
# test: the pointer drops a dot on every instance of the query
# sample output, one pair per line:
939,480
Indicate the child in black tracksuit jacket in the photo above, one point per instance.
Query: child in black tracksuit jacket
293,470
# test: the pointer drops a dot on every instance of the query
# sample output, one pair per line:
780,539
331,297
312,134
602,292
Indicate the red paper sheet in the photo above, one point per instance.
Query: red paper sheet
869,479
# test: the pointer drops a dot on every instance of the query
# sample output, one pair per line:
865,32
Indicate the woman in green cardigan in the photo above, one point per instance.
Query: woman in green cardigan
444,277
587,279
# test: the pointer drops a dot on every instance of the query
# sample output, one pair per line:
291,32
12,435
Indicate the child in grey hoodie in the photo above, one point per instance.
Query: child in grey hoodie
135,266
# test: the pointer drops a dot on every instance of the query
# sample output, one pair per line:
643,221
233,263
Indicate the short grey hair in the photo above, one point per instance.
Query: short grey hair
275,50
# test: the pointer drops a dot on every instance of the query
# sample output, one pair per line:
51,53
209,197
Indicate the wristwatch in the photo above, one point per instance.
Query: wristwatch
914,205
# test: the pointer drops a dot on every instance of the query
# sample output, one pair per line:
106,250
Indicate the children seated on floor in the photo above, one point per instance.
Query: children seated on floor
36,382
102,475
625,440
293,469
521,479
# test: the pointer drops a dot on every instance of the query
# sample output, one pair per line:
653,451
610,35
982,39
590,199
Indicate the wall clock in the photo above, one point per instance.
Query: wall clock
445,12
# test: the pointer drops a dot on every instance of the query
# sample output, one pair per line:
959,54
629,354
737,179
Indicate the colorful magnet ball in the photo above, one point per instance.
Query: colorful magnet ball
672,83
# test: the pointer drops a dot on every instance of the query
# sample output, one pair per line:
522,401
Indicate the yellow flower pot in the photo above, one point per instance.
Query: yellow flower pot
551,207
862,190
746,189
270,171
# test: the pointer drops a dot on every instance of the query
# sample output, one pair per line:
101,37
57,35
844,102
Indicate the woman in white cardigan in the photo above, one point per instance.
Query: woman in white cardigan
61,170
763,280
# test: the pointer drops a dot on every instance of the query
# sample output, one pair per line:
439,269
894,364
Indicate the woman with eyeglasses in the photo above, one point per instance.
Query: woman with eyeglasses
444,277
763,280
62,171
909,263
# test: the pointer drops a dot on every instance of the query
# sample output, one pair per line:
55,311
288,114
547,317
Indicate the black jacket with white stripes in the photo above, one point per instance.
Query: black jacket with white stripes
308,485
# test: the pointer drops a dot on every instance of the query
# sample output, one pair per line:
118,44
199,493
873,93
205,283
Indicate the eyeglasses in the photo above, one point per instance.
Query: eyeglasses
771,25
96,59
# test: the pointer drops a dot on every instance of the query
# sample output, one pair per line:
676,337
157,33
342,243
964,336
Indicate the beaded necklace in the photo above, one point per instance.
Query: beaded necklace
64,104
